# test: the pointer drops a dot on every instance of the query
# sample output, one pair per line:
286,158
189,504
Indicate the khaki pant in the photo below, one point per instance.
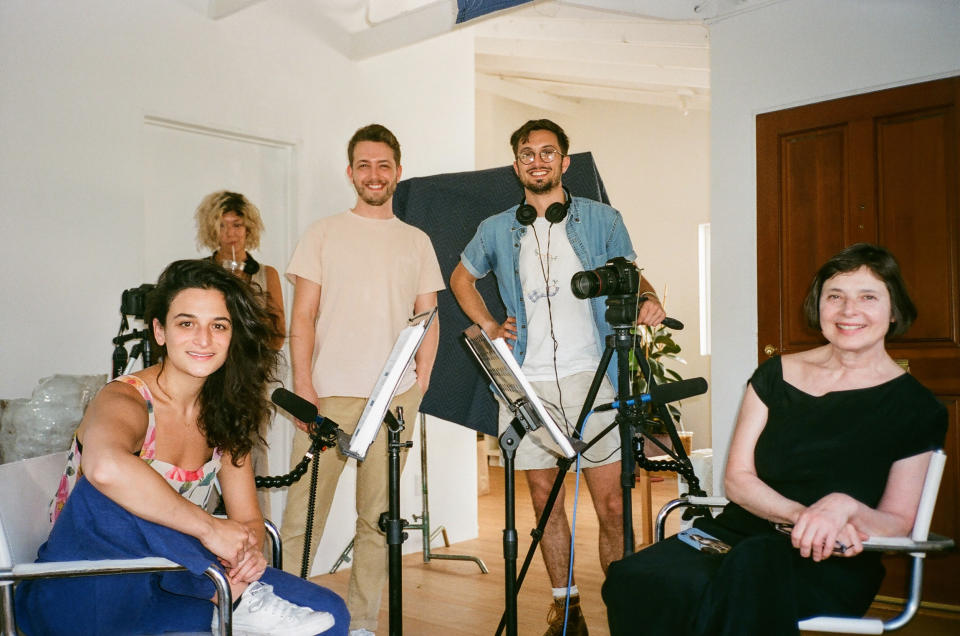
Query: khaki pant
369,572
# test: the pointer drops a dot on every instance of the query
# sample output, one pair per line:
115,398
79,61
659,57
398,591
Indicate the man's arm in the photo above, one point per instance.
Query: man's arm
463,284
427,353
303,319
651,311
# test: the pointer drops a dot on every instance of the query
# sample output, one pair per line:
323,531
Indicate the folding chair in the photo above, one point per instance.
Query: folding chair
920,542
26,488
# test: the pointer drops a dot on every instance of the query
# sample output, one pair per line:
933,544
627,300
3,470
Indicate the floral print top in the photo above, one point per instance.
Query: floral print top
195,485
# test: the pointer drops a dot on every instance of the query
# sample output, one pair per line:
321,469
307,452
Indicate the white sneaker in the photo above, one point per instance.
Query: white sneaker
361,632
264,613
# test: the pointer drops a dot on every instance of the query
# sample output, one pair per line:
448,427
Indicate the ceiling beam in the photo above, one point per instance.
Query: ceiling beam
663,9
651,96
525,94
437,18
641,54
632,31
587,72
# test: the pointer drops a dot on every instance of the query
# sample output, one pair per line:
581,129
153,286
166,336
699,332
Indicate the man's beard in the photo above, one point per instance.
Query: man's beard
540,187
375,198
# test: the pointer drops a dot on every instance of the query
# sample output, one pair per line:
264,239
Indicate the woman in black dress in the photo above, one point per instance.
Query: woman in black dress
834,440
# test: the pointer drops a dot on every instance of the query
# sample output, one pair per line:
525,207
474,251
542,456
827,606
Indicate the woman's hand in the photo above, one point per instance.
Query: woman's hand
229,541
825,526
249,569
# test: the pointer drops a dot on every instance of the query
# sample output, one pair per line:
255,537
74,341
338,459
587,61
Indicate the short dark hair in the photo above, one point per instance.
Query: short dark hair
522,134
884,266
374,132
233,400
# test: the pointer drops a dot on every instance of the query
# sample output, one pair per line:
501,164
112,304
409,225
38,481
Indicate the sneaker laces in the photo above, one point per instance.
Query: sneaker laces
262,599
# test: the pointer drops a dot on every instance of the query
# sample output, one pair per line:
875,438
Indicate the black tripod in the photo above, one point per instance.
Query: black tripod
631,422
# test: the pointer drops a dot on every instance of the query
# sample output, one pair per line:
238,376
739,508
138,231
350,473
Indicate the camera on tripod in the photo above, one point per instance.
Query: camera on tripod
619,281
133,302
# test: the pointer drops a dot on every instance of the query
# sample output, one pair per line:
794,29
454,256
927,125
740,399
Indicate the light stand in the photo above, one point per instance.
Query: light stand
424,518
391,523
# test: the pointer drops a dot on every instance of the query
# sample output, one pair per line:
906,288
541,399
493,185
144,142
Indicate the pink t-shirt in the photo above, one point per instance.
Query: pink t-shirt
370,272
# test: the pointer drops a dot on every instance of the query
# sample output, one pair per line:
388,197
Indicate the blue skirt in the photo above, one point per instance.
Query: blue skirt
92,526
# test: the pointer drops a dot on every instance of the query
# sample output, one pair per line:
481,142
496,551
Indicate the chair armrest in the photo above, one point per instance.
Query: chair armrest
683,502
62,569
57,569
842,625
934,543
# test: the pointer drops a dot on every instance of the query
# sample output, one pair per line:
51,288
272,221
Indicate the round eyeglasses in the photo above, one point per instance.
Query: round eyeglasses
546,155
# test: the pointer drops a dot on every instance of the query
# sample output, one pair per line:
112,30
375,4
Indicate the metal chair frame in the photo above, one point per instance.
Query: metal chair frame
25,490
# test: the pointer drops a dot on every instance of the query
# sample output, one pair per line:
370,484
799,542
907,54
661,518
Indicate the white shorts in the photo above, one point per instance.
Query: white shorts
538,450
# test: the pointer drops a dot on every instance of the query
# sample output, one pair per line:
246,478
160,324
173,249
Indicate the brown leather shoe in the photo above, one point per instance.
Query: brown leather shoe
576,625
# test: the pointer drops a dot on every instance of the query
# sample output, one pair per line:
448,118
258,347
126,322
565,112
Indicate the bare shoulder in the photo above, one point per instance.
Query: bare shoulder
117,407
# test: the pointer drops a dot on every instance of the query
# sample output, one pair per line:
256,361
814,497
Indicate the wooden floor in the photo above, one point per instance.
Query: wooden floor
453,598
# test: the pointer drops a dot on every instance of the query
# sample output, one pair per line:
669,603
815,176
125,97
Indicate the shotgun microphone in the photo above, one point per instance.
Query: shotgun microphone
661,394
318,425
295,405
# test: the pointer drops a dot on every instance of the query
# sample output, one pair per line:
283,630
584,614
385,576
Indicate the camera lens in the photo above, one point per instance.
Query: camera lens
592,283
618,276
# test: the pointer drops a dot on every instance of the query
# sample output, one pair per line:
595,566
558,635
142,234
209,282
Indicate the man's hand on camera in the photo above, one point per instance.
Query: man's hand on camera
650,312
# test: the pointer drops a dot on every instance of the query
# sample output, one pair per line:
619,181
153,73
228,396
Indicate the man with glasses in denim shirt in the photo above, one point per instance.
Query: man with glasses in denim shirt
556,338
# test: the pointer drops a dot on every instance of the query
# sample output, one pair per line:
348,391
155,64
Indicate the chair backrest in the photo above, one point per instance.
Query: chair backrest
26,488
928,497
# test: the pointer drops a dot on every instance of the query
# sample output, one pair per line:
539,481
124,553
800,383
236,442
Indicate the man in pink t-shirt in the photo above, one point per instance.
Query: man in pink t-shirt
358,277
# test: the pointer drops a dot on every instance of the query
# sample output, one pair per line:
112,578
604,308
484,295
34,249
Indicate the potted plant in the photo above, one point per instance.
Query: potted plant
658,346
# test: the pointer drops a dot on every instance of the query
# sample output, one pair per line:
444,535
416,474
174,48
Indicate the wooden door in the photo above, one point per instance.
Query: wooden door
883,168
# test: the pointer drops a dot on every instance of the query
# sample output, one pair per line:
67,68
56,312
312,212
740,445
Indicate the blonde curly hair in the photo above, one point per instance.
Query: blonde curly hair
212,209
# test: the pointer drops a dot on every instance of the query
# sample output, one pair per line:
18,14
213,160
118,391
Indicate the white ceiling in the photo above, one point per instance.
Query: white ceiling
553,54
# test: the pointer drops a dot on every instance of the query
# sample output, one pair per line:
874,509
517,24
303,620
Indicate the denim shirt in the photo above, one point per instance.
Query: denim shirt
596,233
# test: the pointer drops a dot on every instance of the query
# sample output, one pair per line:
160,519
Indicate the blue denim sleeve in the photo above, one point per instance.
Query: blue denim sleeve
474,256
619,243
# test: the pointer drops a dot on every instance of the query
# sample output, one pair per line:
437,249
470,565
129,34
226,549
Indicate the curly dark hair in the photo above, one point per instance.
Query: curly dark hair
233,401
884,266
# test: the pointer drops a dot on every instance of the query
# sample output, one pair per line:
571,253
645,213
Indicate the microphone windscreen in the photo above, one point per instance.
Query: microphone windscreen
295,405
681,390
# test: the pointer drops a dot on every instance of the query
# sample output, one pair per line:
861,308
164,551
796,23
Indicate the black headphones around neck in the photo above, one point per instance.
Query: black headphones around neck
556,212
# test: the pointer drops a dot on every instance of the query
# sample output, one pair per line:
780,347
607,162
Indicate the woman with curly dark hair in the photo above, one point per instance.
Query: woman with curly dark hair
145,459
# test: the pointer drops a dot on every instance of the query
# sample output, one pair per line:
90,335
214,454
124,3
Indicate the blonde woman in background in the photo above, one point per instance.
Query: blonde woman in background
230,225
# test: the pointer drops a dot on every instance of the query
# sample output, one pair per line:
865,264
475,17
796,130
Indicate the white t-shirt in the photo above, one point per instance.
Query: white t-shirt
546,254
370,272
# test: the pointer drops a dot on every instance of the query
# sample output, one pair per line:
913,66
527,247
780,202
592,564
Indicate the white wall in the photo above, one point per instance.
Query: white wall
654,164
781,55
79,79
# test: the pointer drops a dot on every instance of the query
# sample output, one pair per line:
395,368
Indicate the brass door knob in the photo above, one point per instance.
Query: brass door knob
769,350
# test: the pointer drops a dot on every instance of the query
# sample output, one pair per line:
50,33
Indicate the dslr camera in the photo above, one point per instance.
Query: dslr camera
133,302
619,277
619,281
